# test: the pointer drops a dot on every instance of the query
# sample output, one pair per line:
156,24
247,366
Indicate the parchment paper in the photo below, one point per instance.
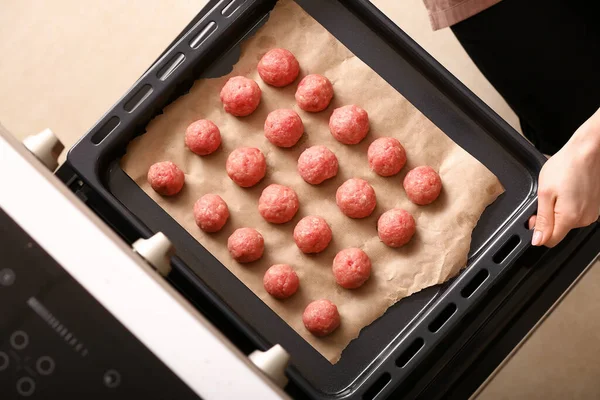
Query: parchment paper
436,253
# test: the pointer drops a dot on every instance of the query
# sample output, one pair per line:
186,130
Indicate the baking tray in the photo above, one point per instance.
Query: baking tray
390,349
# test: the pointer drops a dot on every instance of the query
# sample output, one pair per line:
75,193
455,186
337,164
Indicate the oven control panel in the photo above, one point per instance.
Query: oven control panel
58,342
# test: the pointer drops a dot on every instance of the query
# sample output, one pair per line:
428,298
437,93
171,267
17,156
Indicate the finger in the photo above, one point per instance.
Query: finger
562,226
544,221
532,222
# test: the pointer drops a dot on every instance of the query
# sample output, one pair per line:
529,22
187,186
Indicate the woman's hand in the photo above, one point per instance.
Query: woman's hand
569,187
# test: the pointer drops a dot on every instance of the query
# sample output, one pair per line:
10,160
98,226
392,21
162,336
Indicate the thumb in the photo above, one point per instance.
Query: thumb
544,221
531,222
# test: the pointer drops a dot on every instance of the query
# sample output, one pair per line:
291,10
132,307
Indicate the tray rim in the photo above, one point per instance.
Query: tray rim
95,180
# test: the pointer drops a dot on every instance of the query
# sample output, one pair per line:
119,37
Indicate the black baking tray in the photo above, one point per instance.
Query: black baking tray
388,350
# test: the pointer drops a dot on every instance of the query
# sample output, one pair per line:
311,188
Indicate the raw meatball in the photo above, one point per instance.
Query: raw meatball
278,67
246,245
283,127
314,93
321,317
396,227
351,268
316,164
281,281
356,198
386,156
210,213
246,166
202,137
166,178
278,204
422,185
240,96
312,234
349,124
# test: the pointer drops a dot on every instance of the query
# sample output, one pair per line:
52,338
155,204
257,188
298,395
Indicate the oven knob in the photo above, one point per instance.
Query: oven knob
157,251
111,379
45,365
7,277
25,386
273,363
46,147
19,340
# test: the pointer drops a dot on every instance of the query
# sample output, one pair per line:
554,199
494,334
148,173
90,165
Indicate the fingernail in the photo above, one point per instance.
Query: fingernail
537,238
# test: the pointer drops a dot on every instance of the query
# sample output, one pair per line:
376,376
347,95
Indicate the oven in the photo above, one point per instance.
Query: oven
121,275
